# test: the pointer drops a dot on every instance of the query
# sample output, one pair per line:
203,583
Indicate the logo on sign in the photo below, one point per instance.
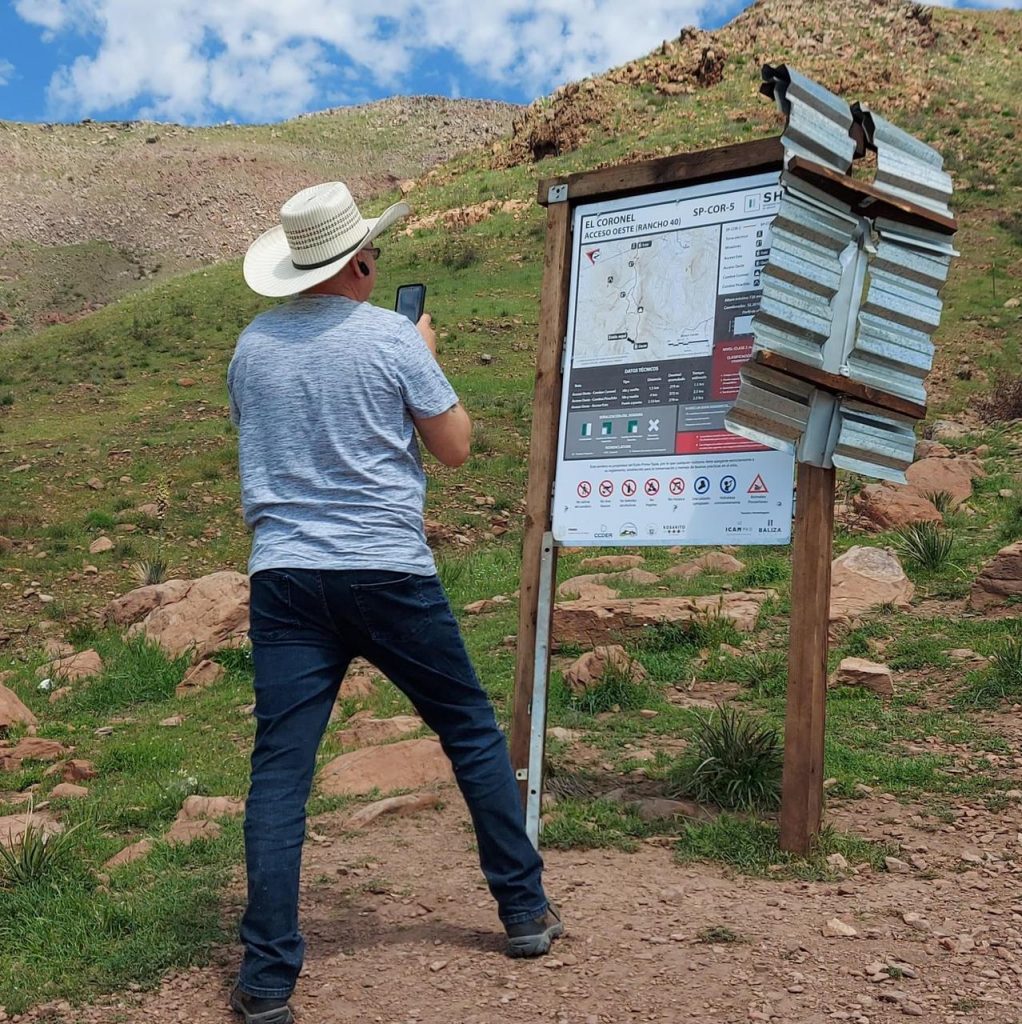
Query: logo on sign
677,486
629,487
728,484
584,489
652,487
758,486
606,488
702,484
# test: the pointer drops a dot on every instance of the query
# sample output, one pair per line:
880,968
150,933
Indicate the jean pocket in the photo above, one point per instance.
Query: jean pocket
272,612
394,609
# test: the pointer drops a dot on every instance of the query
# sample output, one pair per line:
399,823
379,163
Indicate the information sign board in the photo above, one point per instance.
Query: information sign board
663,290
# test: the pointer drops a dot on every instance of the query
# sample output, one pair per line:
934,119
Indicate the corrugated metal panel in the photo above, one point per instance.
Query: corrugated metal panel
772,408
818,121
872,442
906,166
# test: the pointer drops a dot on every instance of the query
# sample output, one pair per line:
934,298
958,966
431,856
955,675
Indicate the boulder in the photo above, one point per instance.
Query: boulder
591,668
643,577
612,563
12,710
362,730
101,545
199,676
487,604
999,580
32,748
592,623
83,665
75,770
357,686
712,561
408,764
395,806
927,449
863,578
138,603
951,476
889,507
211,614
948,430
6,545
868,674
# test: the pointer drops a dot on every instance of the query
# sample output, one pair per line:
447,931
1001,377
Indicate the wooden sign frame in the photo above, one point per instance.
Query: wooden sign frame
560,196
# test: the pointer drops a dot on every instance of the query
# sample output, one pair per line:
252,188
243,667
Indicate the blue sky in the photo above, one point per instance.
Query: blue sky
204,61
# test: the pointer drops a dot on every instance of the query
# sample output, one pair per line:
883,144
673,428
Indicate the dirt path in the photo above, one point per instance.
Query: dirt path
401,931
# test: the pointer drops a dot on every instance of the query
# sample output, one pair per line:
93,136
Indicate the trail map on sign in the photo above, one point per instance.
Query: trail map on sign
664,290
654,296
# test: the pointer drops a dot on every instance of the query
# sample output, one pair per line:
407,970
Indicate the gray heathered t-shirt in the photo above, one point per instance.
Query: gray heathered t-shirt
323,390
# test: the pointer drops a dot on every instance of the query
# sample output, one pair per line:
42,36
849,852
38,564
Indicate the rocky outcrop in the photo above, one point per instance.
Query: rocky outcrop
363,730
870,675
591,668
201,616
12,710
713,561
596,623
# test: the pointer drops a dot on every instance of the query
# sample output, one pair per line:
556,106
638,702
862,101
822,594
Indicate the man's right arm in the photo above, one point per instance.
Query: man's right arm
447,436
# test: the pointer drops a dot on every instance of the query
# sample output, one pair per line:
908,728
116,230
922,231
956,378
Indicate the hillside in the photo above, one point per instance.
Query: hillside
117,459
92,210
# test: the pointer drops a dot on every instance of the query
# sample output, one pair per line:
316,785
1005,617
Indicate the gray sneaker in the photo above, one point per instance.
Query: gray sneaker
260,1011
533,938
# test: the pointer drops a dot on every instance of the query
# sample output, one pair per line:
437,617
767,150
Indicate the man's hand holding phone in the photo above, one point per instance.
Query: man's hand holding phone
425,328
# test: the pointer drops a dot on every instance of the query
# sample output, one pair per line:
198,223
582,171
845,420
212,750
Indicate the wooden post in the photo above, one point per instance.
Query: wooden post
546,414
802,785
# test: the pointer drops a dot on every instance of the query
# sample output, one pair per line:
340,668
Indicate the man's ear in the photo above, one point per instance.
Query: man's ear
364,267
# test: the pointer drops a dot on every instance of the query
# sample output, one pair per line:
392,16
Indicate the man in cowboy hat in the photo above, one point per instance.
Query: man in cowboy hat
328,392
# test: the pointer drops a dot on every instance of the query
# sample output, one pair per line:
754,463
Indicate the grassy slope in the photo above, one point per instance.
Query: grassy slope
106,398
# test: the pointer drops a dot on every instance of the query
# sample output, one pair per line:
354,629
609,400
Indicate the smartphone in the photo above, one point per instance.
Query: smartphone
411,300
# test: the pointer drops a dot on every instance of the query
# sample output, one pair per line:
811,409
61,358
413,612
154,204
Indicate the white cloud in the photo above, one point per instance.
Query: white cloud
261,59
6,70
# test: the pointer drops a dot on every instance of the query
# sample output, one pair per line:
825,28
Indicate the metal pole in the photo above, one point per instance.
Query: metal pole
540,689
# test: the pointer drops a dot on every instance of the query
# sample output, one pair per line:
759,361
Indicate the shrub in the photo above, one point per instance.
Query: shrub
1003,679
734,762
615,691
929,545
37,854
148,571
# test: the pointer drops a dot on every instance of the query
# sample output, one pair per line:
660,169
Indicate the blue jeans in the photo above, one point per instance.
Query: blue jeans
306,626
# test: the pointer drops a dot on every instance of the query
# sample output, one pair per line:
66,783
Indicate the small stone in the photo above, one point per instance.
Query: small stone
896,866
101,545
917,922
438,965
94,484
837,862
172,722
836,928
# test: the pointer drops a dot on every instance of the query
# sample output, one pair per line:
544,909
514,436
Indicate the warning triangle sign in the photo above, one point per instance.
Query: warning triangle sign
758,486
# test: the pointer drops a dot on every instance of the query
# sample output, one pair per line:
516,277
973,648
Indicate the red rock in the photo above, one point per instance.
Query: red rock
592,623
186,830
357,686
197,808
68,791
138,603
1000,580
888,506
75,770
868,674
588,587
864,578
101,545
712,561
951,476
83,665
13,711
366,731
927,449
136,851
14,826
395,806
199,677
588,670
32,748
409,764
610,563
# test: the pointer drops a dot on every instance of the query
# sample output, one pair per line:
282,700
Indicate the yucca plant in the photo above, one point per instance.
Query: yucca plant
148,571
942,501
734,762
929,545
32,856
451,572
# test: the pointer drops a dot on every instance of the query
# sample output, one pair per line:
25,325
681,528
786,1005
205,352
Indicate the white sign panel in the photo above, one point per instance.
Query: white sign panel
664,287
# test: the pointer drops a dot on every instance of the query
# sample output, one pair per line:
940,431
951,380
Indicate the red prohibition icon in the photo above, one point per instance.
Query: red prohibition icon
629,487
584,489
606,488
677,486
652,487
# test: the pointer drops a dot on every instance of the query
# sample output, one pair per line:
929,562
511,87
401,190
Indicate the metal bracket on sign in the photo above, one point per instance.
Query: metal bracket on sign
522,774
557,194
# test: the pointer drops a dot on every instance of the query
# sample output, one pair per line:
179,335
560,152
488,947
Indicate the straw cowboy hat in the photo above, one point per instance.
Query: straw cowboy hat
320,231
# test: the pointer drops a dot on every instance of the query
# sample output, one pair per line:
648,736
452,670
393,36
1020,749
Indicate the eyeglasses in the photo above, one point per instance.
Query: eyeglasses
373,250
